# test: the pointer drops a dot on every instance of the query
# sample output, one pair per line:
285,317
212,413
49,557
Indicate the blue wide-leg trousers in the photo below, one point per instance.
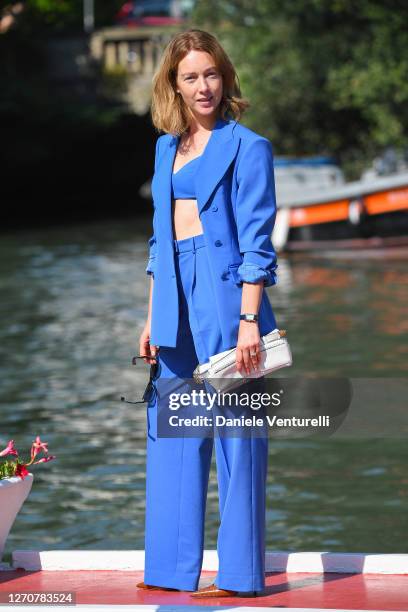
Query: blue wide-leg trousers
177,469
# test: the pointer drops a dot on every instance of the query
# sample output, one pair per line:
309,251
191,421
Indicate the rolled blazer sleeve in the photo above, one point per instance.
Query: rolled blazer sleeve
150,269
256,213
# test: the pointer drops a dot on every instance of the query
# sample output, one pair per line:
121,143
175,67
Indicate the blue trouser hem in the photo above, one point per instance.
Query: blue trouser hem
174,580
240,582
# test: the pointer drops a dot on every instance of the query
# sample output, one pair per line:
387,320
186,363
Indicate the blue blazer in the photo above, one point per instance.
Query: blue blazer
235,191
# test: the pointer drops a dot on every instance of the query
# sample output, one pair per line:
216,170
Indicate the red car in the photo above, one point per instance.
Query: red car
153,12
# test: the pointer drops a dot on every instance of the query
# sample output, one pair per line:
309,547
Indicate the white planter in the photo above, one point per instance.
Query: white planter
13,493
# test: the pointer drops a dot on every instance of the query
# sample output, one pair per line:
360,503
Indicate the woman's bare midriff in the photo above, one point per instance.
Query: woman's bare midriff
186,220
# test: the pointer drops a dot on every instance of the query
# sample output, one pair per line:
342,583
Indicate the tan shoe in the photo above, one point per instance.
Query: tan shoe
213,591
150,587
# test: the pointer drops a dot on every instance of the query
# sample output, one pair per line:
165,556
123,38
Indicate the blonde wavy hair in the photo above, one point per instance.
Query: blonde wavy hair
168,110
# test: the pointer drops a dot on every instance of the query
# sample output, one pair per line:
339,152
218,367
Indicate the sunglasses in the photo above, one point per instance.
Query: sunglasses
149,391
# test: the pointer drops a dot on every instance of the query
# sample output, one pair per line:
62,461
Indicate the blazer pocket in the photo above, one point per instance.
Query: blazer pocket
233,270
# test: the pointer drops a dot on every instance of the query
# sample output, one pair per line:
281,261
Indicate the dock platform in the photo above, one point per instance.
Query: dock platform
106,580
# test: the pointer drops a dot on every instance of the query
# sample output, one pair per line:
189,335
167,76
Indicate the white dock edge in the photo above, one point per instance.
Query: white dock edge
279,561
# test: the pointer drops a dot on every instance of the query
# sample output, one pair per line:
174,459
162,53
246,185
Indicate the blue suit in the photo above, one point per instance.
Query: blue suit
195,314
235,192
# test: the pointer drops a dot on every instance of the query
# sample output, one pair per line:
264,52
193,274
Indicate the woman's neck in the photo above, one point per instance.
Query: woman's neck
201,126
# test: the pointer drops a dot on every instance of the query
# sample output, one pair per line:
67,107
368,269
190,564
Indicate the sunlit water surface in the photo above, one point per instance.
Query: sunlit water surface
73,305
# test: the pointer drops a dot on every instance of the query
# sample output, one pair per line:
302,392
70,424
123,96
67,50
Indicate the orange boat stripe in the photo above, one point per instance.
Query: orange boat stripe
319,213
375,203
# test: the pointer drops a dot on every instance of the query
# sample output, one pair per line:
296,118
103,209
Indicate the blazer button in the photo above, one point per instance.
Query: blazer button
218,243
214,208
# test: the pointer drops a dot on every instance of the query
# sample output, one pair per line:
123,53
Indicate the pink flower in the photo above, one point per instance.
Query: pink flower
9,450
45,459
38,446
16,467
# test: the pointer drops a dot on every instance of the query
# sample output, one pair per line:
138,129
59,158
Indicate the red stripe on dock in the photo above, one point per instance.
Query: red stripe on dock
295,590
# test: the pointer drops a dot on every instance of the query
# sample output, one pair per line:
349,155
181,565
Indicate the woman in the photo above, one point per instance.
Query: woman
210,258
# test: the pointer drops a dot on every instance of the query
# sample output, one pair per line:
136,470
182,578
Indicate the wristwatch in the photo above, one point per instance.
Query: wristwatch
248,317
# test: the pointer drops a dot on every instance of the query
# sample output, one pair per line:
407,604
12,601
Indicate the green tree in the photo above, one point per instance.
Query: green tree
322,76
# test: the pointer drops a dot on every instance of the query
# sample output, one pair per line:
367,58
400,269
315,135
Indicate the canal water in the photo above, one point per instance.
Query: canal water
73,304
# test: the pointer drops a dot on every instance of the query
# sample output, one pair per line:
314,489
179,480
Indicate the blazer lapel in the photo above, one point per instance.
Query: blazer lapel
163,188
218,154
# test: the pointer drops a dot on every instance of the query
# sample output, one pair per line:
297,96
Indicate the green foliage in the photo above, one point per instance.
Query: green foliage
64,16
8,468
322,76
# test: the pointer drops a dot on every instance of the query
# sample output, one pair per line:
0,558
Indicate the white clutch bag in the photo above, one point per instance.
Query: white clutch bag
221,372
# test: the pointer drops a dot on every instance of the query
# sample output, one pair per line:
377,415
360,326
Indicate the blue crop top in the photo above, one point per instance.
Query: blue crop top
182,181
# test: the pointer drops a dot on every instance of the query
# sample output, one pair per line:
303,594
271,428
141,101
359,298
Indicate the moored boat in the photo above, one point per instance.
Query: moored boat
370,212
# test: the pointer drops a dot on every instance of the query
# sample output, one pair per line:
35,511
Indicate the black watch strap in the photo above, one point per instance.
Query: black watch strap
248,317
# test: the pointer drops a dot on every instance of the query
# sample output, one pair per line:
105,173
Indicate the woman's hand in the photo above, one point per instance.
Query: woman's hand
247,353
145,348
